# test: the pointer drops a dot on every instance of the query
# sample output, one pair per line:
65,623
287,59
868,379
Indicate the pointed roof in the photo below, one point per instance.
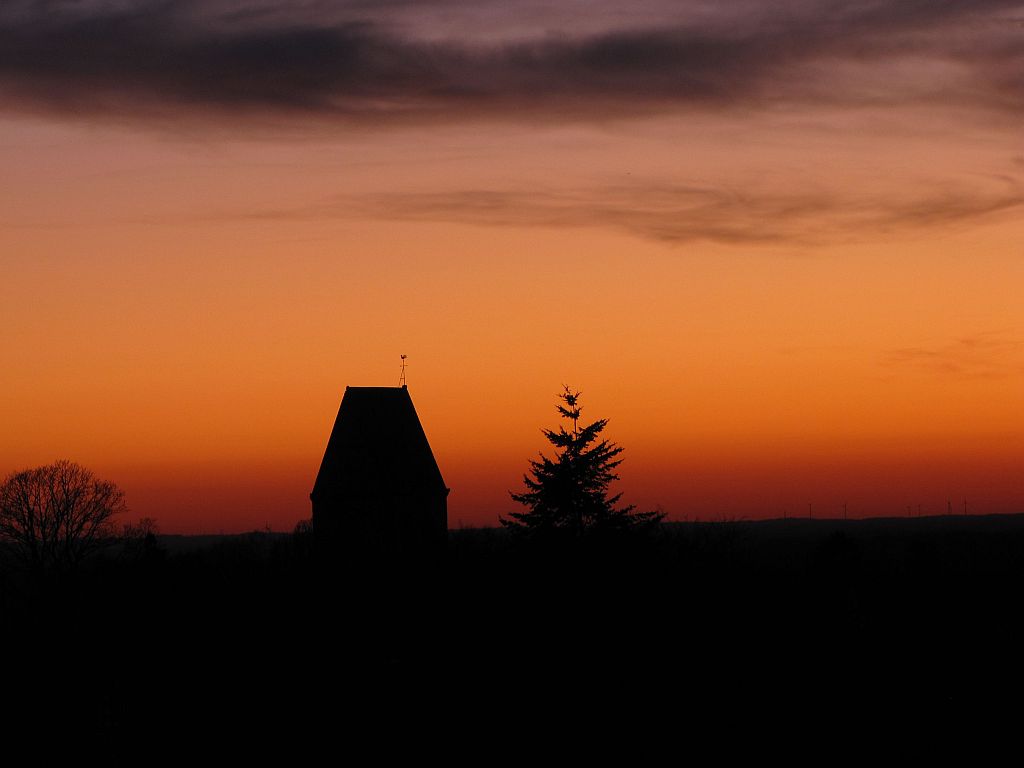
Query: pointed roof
377,445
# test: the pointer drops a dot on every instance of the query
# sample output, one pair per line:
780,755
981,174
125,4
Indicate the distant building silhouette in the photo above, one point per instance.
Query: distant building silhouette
379,490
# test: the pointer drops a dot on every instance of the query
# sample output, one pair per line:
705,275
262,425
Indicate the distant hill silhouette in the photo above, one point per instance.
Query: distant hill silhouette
912,614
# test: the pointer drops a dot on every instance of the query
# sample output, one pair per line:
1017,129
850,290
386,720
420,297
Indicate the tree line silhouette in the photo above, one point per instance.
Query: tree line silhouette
137,630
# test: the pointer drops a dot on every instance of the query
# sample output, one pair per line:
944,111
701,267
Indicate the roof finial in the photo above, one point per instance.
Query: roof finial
401,381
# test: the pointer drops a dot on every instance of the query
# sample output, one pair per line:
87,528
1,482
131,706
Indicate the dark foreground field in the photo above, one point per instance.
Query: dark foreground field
745,618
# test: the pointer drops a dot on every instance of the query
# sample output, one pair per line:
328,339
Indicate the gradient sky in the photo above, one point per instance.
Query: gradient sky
780,245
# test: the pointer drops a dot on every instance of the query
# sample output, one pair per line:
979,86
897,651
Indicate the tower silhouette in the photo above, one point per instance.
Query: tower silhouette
379,491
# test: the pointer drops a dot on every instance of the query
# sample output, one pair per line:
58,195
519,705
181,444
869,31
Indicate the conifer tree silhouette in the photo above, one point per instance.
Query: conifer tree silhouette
569,494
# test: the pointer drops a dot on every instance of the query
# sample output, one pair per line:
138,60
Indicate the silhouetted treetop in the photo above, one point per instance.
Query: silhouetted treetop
570,493
56,515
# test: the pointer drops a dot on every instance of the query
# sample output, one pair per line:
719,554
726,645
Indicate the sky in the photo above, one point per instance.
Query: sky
778,245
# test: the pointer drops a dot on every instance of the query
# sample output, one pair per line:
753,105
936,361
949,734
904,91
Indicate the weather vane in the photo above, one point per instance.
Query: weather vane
401,381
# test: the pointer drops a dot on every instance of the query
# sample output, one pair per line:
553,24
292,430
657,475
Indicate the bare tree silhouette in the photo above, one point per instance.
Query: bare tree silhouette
53,517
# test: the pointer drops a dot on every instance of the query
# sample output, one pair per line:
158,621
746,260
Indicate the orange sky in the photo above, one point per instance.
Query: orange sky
805,302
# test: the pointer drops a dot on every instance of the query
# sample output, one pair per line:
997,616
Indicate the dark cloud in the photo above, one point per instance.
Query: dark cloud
982,355
666,213
677,214
946,208
394,62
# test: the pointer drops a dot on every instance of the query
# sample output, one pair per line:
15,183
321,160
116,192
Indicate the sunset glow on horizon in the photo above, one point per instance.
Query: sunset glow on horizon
778,245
